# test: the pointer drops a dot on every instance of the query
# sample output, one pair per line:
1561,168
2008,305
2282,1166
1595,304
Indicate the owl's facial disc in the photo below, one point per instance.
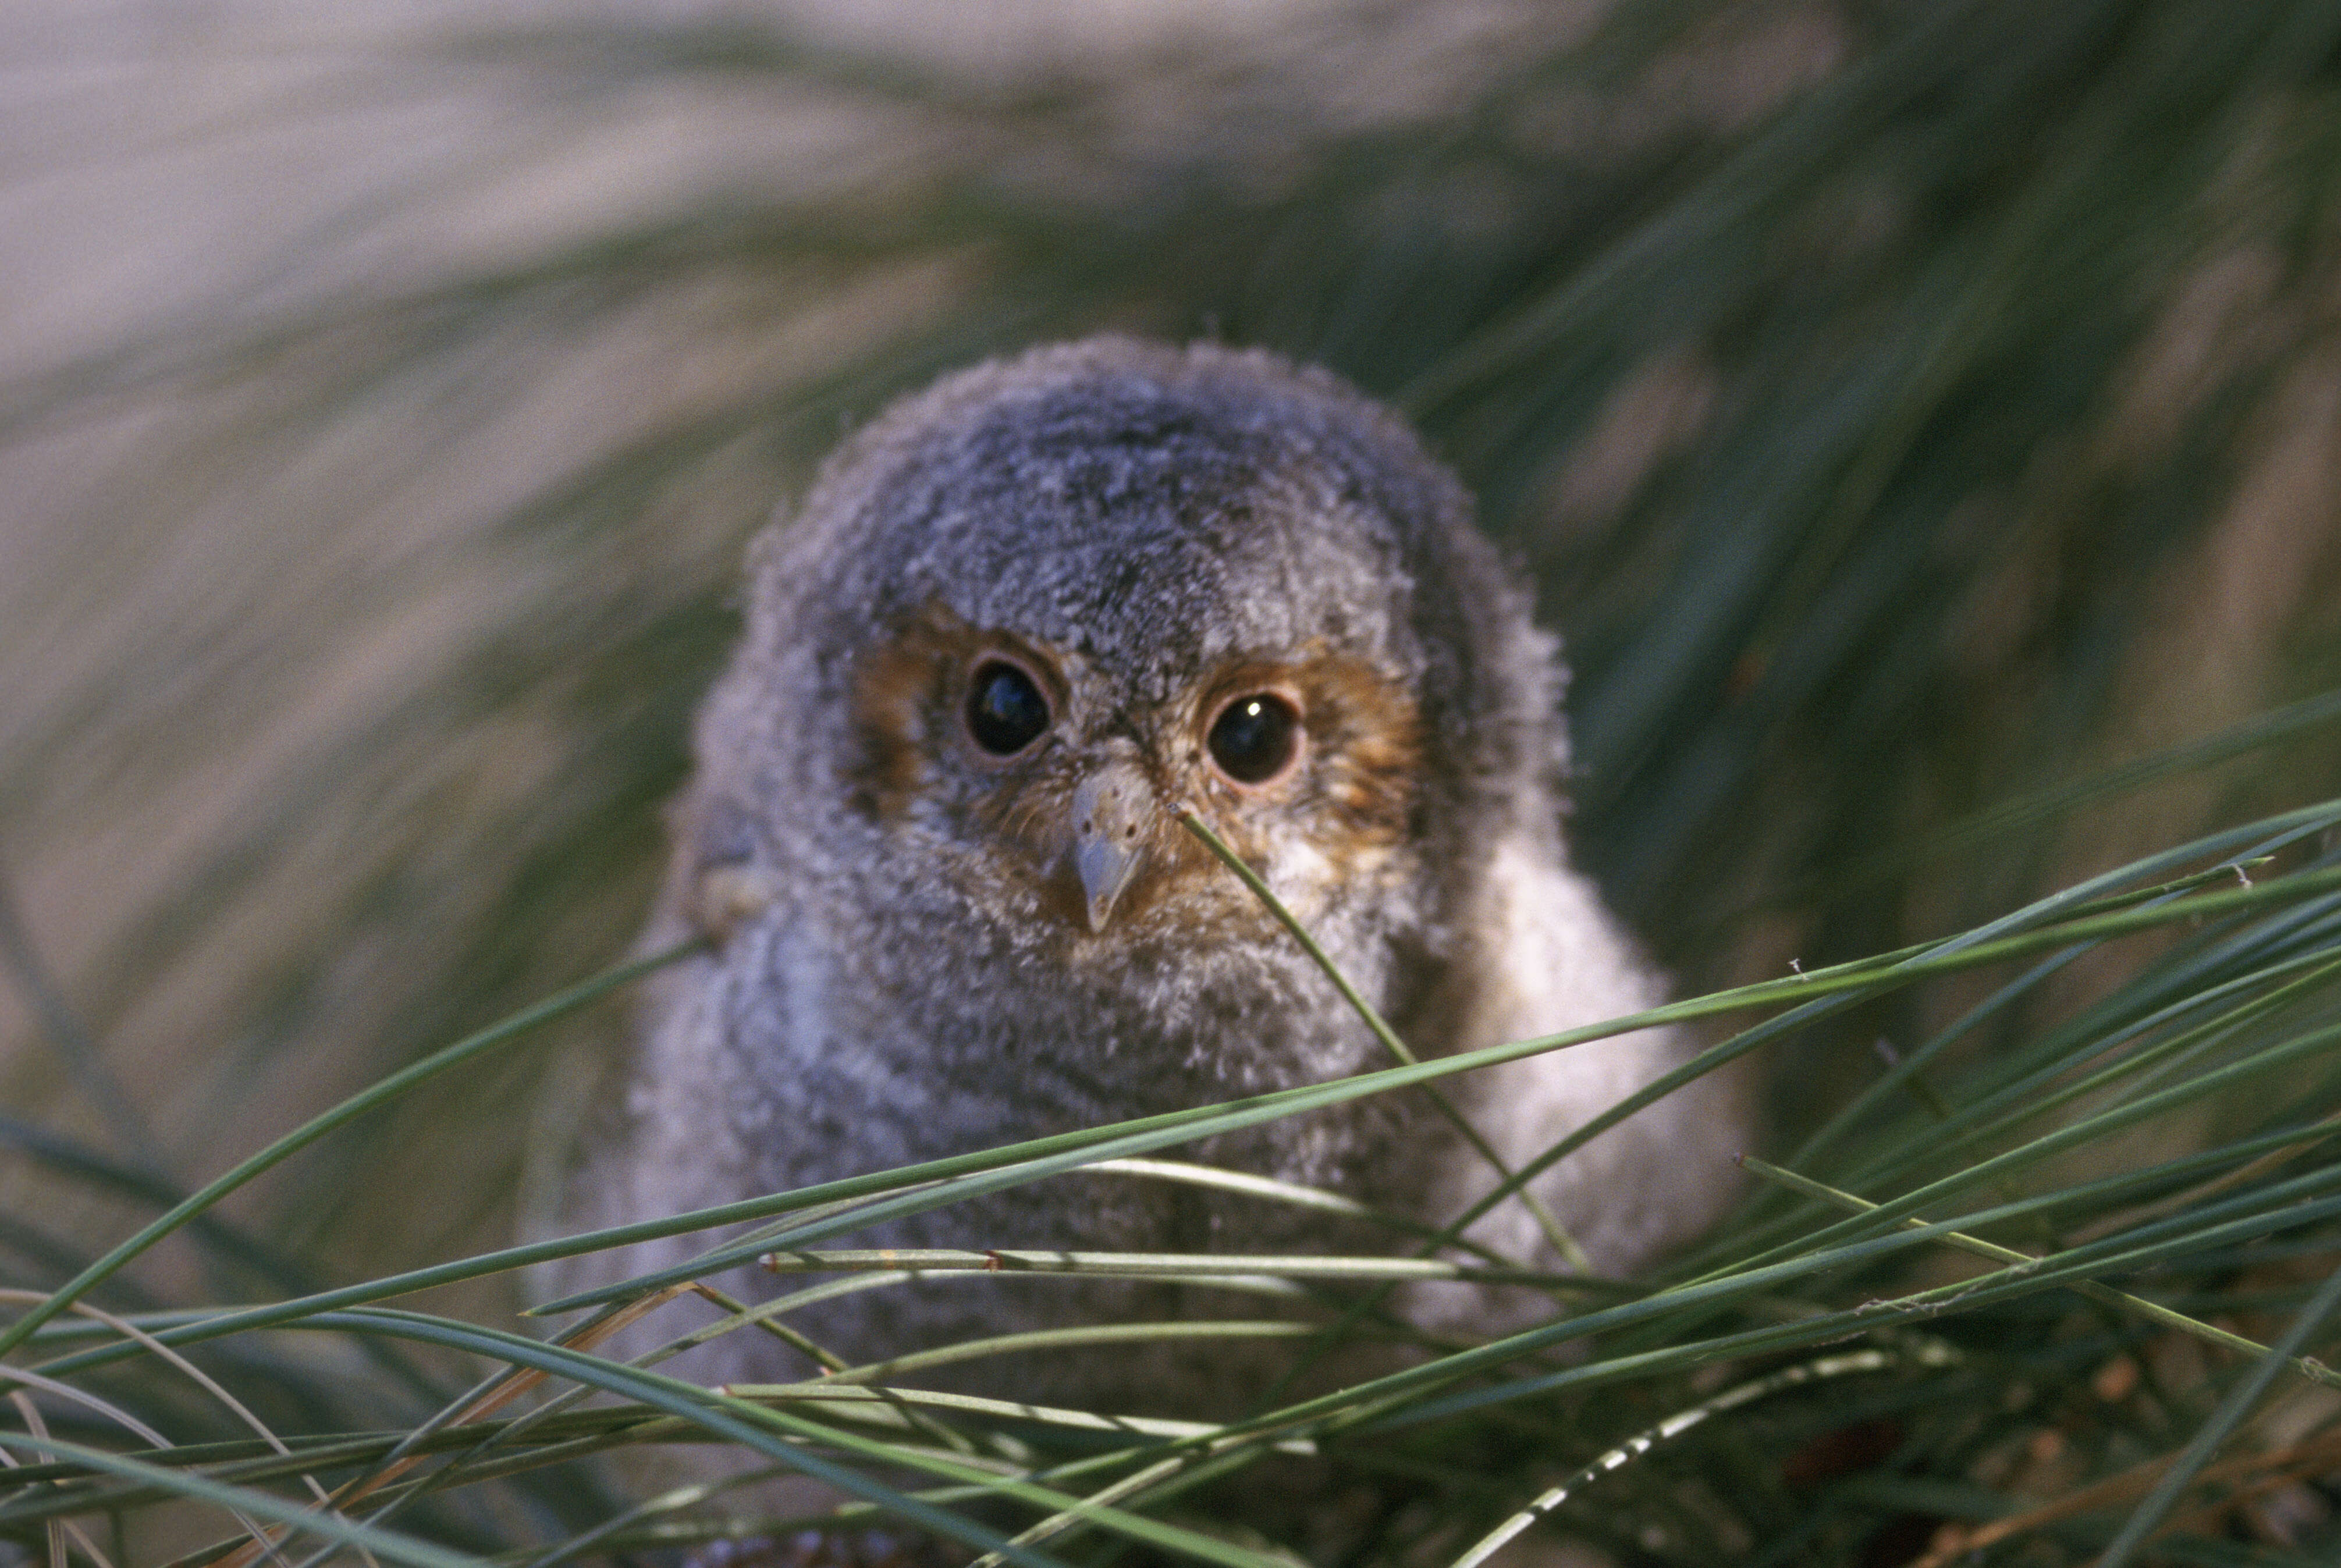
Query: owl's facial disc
1034,775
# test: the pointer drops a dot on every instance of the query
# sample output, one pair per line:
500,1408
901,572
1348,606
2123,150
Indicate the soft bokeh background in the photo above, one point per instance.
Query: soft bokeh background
1906,407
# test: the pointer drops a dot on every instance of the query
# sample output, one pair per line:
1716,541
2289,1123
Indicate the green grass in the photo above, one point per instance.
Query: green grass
1674,1430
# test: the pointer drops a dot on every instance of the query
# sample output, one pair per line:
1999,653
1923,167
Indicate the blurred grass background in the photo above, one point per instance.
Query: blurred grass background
1906,408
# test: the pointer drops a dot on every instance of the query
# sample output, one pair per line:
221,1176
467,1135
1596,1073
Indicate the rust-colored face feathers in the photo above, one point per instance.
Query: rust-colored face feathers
979,736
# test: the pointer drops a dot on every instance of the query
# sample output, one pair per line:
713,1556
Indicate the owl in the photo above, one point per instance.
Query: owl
1022,621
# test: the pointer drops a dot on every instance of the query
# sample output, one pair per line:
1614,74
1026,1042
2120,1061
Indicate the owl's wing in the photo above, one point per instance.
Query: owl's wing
1553,959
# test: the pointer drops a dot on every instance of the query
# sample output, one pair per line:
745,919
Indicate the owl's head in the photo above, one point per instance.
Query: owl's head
1027,616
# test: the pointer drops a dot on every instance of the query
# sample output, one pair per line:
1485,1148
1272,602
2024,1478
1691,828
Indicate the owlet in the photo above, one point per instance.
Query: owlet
1023,620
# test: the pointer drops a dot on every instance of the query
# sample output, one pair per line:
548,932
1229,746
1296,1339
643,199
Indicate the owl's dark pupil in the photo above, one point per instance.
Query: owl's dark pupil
1253,737
1005,711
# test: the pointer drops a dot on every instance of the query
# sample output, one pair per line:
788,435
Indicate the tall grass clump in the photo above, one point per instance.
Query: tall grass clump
1955,1315
1915,417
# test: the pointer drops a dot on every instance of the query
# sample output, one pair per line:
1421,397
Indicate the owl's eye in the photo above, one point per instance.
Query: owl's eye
1254,737
1005,710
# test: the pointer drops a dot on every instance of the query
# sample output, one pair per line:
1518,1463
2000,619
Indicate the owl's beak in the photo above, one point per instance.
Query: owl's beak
1110,833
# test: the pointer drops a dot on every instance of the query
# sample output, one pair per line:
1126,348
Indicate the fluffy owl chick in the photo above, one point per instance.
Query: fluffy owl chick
1021,620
